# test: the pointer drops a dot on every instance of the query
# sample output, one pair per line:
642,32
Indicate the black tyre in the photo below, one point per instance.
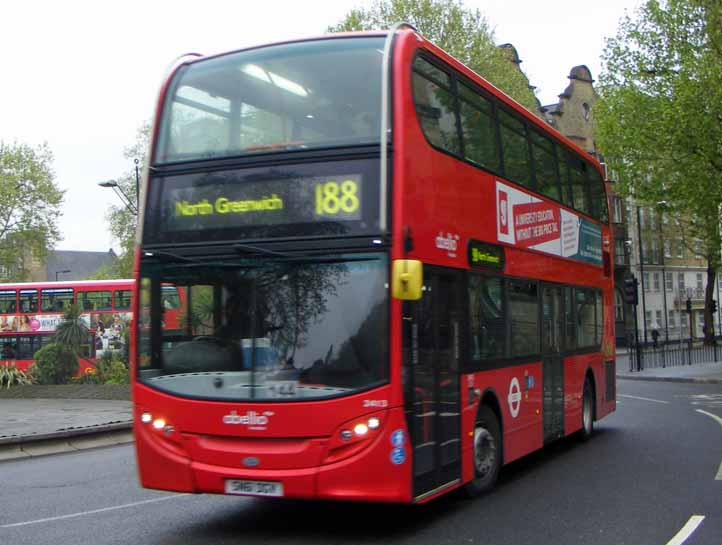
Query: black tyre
588,402
487,453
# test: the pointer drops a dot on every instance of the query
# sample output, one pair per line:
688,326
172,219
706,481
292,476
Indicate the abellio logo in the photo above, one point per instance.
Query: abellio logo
252,419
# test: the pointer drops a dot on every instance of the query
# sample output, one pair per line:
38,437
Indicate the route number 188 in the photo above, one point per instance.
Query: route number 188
332,198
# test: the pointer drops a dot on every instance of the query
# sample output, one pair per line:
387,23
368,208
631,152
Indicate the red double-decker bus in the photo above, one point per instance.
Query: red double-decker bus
30,314
397,279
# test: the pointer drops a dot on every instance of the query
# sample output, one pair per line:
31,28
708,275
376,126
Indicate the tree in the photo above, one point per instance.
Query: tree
121,219
465,34
659,116
30,204
72,333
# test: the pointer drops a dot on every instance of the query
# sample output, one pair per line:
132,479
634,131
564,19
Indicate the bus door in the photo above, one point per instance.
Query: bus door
432,346
553,361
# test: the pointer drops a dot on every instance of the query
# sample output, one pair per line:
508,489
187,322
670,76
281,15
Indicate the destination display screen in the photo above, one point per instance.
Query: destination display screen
273,202
482,255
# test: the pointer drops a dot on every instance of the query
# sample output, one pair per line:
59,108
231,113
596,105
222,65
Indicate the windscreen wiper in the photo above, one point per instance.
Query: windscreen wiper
251,249
161,254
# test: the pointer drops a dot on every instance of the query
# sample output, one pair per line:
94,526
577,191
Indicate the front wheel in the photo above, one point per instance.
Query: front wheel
487,453
587,412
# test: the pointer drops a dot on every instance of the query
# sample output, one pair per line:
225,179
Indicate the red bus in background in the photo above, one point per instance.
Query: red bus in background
397,279
30,314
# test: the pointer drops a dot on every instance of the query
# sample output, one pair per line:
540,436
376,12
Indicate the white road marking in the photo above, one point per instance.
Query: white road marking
717,418
644,399
94,511
718,477
686,531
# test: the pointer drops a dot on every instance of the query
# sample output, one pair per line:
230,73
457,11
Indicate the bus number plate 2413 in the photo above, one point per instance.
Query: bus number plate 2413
254,488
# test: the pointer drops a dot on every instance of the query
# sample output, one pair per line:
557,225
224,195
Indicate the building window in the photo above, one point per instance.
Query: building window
680,282
648,319
619,257
699,281
683,320
671,318
680,248
645,281
698,248
668,281
658,318
667,248
655,278
617,216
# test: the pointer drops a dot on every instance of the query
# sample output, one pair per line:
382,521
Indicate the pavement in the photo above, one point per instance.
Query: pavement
37,427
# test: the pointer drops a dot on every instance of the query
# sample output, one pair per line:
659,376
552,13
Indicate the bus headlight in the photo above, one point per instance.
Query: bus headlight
354,436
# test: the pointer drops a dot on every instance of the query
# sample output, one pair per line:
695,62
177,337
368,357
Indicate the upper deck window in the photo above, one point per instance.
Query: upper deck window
303,95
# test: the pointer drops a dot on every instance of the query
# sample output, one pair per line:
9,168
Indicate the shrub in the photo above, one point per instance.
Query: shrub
111,369
12,376
54,364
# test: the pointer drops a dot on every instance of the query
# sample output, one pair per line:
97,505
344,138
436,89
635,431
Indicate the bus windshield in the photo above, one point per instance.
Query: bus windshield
267,329
304,95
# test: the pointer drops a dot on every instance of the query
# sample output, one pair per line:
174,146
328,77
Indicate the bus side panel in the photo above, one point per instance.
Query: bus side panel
519,395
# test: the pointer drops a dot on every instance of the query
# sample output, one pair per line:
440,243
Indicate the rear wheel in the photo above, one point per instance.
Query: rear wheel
487,453
587,411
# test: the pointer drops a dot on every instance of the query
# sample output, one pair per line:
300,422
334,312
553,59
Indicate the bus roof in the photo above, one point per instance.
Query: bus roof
69,284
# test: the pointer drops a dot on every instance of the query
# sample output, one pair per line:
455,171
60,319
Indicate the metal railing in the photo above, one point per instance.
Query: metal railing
673,354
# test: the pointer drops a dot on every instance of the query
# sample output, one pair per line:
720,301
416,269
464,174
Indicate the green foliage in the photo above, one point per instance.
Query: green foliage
463,33
29,206
659,117
122,221
111,369
72,333
54,364
10,375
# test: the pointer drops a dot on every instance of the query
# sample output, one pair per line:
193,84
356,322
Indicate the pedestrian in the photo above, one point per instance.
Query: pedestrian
655,335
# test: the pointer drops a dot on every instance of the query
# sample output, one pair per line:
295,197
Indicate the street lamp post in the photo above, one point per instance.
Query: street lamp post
132,207
66,271
641,274
663,204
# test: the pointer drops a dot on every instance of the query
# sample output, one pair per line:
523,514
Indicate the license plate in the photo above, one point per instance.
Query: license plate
254,488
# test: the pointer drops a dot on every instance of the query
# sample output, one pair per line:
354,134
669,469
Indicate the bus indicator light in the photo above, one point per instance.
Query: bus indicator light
159,423
146,418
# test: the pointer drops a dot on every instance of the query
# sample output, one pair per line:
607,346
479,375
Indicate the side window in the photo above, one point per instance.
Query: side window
478,129
586,316
524,317
599,317
8,301
94,300
122,299
169,298
547,169
28,300
56,299
598,196
578,182
487,318
435,106
517,166
570,339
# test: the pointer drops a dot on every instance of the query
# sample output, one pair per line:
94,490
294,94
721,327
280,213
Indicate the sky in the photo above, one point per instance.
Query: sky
84,75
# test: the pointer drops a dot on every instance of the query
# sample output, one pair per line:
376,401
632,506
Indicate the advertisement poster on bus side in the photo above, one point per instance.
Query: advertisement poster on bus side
528,222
